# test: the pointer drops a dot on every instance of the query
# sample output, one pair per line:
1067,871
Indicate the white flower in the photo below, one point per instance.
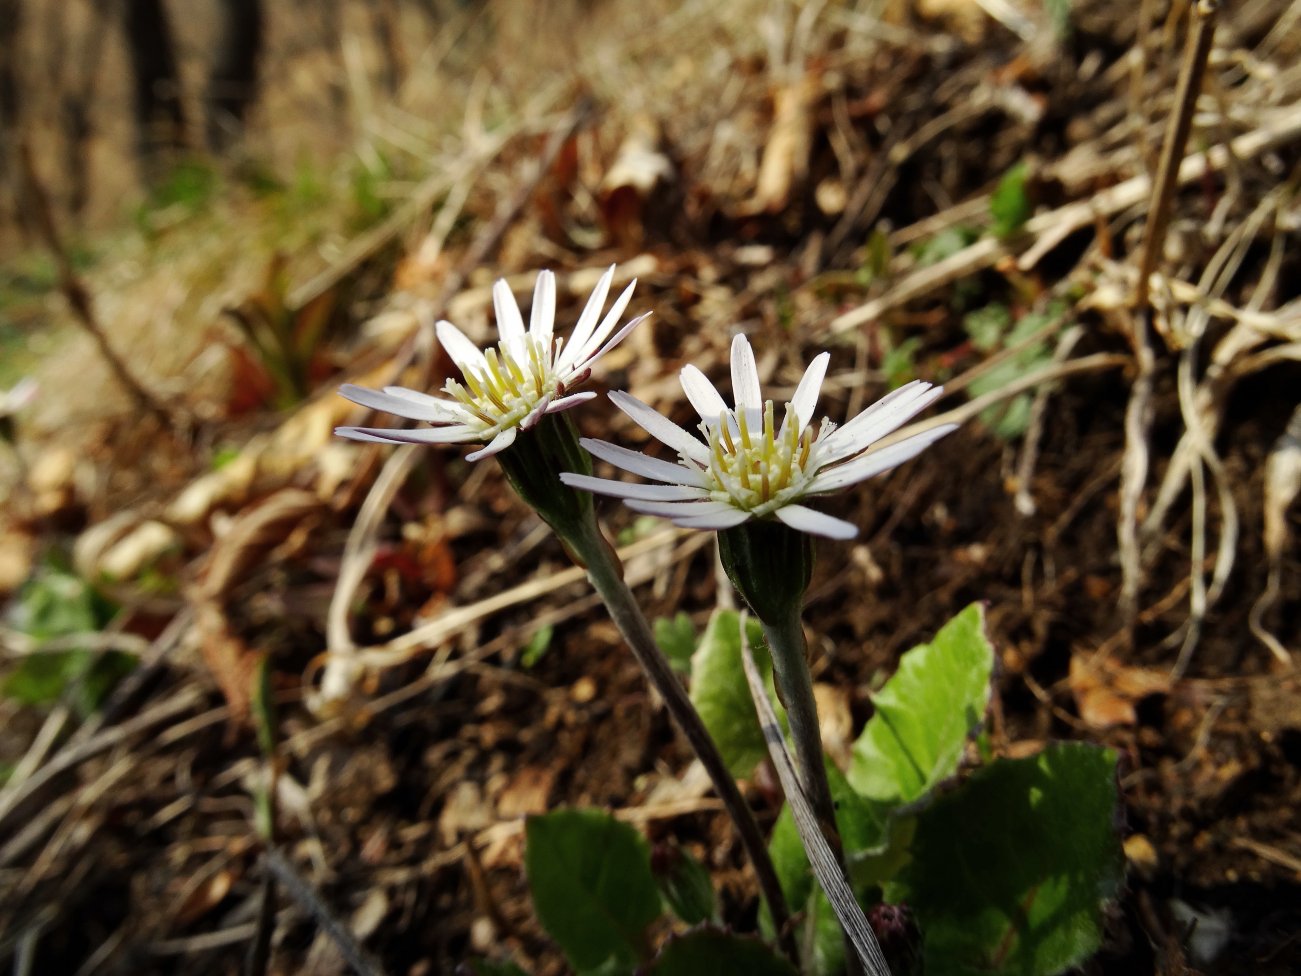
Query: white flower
748,466
508,388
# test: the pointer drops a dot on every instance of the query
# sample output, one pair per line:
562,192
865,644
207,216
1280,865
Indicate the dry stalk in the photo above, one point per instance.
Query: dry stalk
1024,500
1192,71
309,899
1282,484
1282,128
78,295
1134,467
826,861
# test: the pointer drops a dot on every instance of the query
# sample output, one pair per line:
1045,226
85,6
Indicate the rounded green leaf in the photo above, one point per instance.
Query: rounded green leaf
592,886
1010,870
684,882
925,713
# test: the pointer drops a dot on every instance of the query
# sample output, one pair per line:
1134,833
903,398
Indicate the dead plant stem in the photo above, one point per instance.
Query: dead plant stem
310,900
78,295
1196,53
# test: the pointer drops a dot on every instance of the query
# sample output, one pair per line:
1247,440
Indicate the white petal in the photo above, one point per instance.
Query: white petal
625,489
803,519
614,341
543,407
721,520
704,396
495,446
587,321
542,315
427,409
887,414
395,435
647,467
805,399
745,375
462,351
698,509
510,324
876,462
457,413
660,427
583,353
569,402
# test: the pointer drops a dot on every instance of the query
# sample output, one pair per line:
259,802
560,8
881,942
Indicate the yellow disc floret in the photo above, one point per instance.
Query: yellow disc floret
507,391
758,470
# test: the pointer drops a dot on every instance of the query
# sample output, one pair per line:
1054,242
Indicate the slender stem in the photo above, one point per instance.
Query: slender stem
1196,54
78,295
606,576
795,689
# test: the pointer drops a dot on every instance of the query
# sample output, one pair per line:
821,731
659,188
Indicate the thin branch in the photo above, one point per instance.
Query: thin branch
1196,53
301,891
77,294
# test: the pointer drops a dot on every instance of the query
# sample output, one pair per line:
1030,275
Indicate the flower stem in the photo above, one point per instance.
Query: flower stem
606,575
787,647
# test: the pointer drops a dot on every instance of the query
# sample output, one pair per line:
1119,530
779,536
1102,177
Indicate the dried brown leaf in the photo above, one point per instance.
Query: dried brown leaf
1106,693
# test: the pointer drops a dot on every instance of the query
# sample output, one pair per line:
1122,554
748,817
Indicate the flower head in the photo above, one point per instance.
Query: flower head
507,388
756,461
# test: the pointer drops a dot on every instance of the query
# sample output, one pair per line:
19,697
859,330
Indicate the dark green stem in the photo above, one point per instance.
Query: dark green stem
533,465
606,575
786,644
795,689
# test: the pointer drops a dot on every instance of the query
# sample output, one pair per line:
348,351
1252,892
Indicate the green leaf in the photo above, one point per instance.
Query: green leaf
986,326
56,603
721,695
676,637
1010,205
1011,870
711,952
991,328
537,646
684,882
592,886
925,713
945,244
899,364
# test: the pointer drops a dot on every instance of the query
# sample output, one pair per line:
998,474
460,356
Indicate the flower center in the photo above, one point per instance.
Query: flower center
507,391
755,465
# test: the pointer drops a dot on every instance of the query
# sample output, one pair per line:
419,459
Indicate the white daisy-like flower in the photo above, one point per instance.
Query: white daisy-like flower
508,388
748,466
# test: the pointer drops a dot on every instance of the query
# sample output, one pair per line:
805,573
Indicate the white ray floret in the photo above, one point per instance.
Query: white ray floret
748,465
509,387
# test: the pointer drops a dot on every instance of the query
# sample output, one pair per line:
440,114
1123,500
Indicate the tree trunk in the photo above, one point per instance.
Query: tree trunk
159,115
232,84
